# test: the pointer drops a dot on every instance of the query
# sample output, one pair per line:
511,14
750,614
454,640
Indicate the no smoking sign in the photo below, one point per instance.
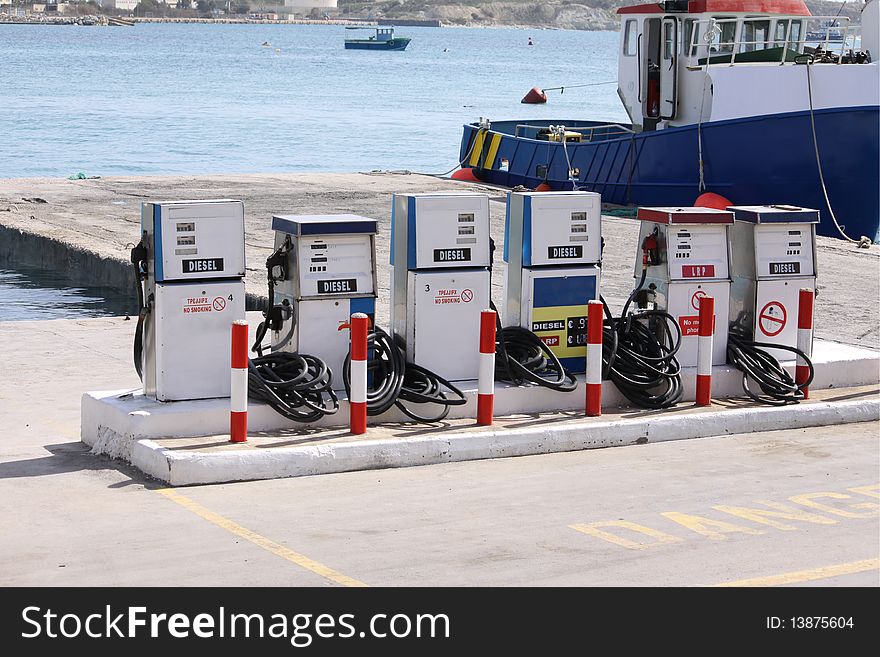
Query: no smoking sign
772,318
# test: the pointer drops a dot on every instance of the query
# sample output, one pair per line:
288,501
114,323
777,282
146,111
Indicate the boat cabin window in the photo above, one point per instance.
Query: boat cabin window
755,34
795,35
669,45
690,35
629,38
723,38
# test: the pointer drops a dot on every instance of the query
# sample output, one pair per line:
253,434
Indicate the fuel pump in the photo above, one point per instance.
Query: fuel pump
553,251
190,265
773,256
324,271
440,258
684,255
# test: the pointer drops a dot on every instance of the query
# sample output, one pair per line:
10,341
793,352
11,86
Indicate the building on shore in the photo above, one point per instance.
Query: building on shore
305,7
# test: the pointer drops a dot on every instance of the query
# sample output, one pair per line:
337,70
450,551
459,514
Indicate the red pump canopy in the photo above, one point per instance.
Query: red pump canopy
786,7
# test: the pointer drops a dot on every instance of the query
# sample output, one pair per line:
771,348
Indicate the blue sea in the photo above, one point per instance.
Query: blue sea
191,98
197,99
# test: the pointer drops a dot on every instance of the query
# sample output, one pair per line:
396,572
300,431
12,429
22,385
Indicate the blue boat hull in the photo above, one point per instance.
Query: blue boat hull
760,160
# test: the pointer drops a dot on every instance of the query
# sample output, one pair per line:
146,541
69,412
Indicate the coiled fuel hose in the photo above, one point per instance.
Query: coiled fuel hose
392,381
297,386
521,356
638,354
777,387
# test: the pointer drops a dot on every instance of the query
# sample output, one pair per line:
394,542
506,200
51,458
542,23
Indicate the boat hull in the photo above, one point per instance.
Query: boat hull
758,160
393,44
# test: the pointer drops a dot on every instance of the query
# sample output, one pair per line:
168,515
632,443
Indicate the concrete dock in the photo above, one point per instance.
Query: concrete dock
684,513
691,512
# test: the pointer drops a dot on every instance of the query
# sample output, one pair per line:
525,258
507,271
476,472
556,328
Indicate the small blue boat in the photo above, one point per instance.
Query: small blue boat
384,39
723,96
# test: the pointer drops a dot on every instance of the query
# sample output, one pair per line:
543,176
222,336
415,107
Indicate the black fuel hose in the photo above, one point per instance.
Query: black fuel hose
777,387
297,386
521,356
393,381
639,363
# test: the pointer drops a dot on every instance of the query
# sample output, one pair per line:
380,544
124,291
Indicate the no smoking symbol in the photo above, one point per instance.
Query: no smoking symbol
772,319
695,300
467,296
219,304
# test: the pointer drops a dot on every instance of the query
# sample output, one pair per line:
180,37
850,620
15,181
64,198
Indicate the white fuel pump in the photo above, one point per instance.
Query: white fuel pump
684,255
773,256
440,259
190,266
553,251
326,272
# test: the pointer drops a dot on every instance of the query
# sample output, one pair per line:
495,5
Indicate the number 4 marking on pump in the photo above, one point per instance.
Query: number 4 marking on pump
772,318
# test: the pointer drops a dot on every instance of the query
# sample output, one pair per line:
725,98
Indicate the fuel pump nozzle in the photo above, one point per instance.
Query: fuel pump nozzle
651,249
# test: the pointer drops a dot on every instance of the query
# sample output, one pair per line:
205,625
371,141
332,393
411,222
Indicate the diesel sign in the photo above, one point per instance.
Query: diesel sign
340,286
562,252
203,265
452,255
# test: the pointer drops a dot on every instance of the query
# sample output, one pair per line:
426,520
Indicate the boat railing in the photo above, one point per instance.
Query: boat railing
713,47
587,132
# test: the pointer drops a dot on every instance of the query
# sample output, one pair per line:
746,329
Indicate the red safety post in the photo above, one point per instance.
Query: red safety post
804,337
239,389
595,319
705,338
357,402
486,380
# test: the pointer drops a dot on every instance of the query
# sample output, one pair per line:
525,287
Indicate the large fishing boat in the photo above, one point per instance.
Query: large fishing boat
724,96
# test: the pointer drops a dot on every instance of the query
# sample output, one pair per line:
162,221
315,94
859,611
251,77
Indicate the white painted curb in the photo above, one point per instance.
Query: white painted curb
184,468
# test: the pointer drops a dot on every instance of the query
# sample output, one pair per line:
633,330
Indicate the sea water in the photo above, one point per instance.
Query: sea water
199,99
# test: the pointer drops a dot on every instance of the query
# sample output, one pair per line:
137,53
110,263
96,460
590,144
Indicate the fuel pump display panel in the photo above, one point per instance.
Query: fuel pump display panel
553,228
697,252
335,265
197,239
442,230
784,250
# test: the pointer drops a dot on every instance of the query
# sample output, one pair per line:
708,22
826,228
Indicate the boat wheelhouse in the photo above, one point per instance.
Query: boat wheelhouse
727,96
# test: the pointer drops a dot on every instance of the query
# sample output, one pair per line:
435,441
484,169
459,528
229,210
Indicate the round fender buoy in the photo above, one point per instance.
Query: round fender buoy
466,174
543,187
712,200
535,96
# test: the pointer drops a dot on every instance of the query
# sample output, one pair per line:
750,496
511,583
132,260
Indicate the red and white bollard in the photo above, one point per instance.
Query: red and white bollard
357,401
705,338
486,380
804,337
239,390
595,319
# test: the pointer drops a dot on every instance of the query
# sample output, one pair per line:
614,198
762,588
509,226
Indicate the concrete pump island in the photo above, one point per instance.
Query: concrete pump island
296,325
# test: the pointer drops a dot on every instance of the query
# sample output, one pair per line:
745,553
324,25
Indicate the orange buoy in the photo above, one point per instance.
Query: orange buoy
712,200
466,174
543,187
535,96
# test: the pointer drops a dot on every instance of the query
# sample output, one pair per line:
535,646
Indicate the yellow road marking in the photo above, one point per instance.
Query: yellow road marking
258,540
809,575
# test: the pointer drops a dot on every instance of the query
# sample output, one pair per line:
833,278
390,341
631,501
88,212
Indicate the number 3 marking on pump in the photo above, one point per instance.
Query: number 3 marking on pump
772,319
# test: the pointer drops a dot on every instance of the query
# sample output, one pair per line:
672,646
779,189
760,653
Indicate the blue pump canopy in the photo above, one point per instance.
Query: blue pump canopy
324,224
